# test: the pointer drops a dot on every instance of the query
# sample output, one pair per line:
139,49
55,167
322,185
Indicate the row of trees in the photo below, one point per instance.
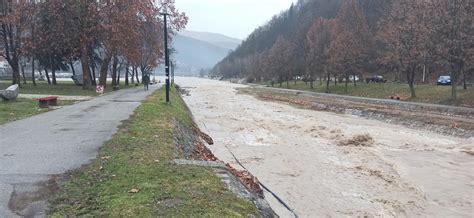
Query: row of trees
103,35
360,37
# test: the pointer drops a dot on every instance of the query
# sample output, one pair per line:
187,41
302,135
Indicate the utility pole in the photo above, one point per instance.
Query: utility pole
167,59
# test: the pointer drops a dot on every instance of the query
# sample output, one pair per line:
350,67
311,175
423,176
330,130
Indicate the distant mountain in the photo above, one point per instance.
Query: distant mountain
200,50
194,54
214,38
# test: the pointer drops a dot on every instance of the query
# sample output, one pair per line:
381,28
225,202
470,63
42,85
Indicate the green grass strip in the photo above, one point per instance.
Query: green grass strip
139,156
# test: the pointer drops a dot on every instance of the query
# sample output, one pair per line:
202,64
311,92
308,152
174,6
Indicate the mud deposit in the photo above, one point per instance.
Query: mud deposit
329,164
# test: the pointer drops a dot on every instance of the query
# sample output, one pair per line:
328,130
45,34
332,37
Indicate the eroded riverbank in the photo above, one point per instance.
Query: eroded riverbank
323,163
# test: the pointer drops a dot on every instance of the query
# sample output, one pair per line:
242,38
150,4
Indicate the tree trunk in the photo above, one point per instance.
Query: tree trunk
133,75
114,71
454,86
355,81
136,74
104,71
33,71
411,81
53,70
127,71
328,81
93,69
93,82
33,33
94,75
16,72
118,75
47,75
464,85
346,84
23,74
85,65
311,83
72,68
53,74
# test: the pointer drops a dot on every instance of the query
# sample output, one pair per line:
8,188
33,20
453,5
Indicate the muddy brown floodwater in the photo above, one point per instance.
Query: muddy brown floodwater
328,164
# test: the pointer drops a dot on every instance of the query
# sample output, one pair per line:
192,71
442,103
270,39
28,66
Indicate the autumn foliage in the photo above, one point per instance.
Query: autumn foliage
102,34
404,40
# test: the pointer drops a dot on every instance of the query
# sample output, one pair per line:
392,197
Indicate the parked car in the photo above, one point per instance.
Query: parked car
444,81
352,78
376,79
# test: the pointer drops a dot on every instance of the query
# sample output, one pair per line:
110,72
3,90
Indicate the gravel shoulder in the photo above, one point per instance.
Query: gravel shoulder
336,164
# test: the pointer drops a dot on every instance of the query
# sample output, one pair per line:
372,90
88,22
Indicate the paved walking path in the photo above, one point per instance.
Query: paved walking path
35,148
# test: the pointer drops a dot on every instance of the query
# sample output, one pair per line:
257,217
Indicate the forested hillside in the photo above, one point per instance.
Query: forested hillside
404,40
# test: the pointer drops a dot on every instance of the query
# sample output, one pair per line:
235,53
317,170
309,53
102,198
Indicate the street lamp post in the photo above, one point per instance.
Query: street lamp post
167,58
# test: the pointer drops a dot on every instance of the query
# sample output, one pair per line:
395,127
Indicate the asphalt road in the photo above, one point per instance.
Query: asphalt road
36,148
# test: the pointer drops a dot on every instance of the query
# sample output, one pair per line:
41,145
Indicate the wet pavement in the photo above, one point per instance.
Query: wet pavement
35,149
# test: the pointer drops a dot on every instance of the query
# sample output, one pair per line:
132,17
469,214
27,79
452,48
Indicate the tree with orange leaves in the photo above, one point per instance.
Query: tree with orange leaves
349,48
13,22
281,57
406,33
318,41
452,25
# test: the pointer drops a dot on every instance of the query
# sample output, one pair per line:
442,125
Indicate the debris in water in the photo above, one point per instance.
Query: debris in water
364,140
203,152
250,181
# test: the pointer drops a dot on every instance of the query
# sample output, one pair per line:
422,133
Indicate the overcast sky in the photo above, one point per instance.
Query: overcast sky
235,18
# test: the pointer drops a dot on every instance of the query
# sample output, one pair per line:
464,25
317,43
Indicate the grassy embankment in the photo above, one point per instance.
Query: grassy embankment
138,159
425,93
